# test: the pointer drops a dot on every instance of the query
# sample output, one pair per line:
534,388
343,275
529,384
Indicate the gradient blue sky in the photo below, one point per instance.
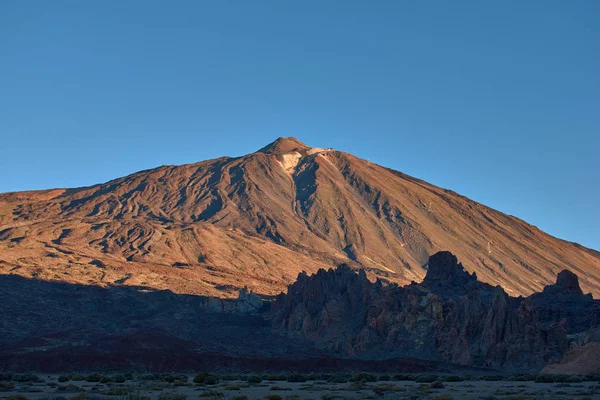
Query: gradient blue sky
497,100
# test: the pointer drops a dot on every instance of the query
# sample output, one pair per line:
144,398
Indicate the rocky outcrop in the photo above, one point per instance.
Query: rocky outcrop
450,316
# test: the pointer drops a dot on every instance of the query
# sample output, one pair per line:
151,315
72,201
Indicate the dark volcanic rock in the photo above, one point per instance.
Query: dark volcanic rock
450,317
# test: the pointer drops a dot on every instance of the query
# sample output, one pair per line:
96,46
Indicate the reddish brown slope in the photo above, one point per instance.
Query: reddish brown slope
215,226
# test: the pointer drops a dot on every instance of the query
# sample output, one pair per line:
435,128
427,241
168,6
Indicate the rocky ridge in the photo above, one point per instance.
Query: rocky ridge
450,316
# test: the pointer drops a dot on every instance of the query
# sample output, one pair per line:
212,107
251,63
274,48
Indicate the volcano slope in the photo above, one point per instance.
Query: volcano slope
213,227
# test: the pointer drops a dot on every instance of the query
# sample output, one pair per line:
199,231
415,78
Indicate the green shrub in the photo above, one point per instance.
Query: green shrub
363,376
79,396
544,379
273,397
492,378
6,376
453,378
384,378
211,380
403,378
77,377
4,386
25,378
201,377
17,397
425,378
254,379
94,378
215,394
296,378
240,398
574,379
338,378
119,379
437,385
175,396
117,391
63,378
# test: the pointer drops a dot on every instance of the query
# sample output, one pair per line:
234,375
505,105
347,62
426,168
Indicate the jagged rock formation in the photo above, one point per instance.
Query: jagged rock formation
212,227
450,316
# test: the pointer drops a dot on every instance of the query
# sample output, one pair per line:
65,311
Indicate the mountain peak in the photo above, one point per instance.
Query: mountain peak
284,145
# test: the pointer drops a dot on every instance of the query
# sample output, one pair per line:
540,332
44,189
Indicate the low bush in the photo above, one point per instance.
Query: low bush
437,385
254,379
171,396
545,379
6,376
492,378
63,378
273,397
296,378
25,378
240,398
201,377
453,378
338,378
4,386
363,376
426,378
94,378
213,394
384,378
211,380
403,378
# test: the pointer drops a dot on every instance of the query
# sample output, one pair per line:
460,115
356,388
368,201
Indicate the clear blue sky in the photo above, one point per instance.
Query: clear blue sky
497,100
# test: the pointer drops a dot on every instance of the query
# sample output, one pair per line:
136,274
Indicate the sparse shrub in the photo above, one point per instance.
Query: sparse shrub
338,378
201,377
63,378
25,378
69,388
544,379
211,380
453,378
79,396
254,379
4,386
437,385
240,398
492,378
232,387
128,376
384,378
117,391
426,378
6,376
296,378
522,378
443,397
94,378
77,377
363,376
403,378
175,396
17,397
574,379
119,379
273,397
213,394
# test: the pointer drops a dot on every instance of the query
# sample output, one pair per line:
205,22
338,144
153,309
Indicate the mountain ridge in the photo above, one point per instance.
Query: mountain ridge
264,217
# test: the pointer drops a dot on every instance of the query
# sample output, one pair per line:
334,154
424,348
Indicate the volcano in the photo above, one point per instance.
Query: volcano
214,227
